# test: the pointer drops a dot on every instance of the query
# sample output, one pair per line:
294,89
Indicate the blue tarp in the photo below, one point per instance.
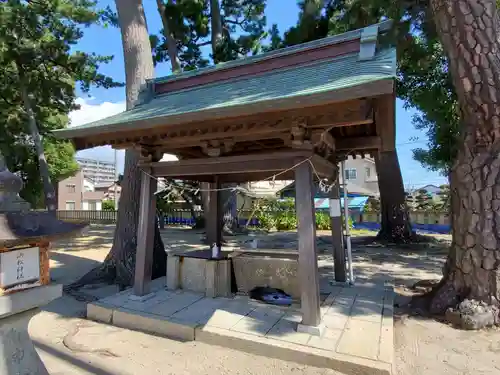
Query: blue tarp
354,203
422,228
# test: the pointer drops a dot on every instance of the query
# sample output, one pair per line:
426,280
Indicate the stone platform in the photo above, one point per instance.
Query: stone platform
358,338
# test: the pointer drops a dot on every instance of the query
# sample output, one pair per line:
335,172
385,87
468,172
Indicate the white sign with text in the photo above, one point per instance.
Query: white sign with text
19,267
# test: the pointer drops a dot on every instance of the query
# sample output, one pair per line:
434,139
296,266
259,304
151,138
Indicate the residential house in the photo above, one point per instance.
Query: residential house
79,193
361,176
109,190
432,190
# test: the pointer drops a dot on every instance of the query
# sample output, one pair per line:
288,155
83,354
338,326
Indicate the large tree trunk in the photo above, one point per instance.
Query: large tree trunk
169,36
119,264
48,188
217,37
395,223
227,198
139,67
468,30
228,210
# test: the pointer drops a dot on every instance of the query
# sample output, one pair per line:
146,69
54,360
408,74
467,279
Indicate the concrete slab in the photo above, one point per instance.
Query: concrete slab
358,338
289,351
154,324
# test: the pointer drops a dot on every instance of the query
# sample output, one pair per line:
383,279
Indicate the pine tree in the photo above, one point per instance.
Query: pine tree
38,74
468,31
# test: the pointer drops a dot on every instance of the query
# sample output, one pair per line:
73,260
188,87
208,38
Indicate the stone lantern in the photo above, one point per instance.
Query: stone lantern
24,273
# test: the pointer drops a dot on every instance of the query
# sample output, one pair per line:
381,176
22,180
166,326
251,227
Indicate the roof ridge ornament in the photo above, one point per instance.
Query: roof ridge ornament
368,43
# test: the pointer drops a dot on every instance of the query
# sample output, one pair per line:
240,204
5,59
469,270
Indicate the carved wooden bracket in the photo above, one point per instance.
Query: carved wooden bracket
147,154
300,135
215,148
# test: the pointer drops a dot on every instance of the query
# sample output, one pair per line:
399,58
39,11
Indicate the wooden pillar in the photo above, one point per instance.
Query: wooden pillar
145,236
308,261
337,234
213,222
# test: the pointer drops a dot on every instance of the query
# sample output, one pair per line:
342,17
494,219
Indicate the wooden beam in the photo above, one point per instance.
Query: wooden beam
358,143
308,260
268,162
212,220
364,121
250,128
145,236
385,121
323,167
323,137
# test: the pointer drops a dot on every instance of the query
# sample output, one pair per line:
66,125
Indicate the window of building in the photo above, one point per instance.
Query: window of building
71,188
350,174
92,205
368,172
70,206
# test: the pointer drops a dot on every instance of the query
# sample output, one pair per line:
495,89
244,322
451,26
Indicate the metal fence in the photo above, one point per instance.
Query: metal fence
424,222
181,217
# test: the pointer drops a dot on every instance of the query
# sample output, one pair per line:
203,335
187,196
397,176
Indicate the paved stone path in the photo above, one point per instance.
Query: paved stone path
348,313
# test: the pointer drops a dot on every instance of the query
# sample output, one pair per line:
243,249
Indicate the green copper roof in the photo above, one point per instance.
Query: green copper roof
295,84
330,40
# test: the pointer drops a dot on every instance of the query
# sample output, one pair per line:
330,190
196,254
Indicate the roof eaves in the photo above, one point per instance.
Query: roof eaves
375,87
331,40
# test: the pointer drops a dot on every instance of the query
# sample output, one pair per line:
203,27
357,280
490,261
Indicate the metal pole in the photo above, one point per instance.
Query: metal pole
347,231
116,180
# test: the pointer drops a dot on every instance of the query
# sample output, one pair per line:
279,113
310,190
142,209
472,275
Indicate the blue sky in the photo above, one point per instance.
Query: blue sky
107,41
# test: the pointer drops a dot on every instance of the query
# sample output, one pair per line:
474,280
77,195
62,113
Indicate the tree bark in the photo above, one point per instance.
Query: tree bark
48,188
228,210
217,36
395,223
119,265
169,36
139,67
468,31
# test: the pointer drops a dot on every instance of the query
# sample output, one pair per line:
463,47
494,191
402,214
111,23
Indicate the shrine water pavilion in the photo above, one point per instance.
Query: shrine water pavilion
294,112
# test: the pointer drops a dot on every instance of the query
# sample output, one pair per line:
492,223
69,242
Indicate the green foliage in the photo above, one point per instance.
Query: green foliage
322,220
243,24
163,205
444,198
108,205
424,82
280,215
36,41
410,200
373,204
349,222
423,200
274,214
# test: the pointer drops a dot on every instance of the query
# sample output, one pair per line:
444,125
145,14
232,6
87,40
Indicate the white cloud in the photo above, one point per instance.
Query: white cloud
90,112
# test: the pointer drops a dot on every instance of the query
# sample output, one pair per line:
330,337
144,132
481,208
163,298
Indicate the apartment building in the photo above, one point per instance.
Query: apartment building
98,171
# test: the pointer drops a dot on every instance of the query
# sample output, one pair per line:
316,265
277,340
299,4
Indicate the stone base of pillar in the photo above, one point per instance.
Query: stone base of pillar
17,352
312,330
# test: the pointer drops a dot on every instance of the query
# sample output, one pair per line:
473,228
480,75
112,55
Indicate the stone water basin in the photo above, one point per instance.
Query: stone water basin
272,268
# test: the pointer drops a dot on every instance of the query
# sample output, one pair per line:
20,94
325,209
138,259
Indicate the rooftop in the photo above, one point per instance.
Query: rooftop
344,68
